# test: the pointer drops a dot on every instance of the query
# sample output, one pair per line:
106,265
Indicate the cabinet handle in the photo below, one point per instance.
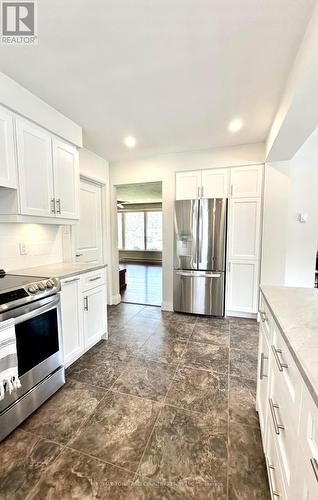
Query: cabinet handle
278,427
58,206
271,468
198,191
231,189
202,191
280,365
314,465
71,280
52,205
78,255
261,371
94,279
229,267
85,303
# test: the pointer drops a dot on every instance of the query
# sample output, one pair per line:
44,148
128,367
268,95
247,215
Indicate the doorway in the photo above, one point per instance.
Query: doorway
139,218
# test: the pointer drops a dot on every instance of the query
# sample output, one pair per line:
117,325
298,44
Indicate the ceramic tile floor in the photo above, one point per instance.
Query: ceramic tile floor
165,409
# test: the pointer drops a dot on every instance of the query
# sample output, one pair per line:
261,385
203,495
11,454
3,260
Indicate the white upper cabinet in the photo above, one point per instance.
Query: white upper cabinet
35,169
215,183
66,179
188,185
7,156
246,182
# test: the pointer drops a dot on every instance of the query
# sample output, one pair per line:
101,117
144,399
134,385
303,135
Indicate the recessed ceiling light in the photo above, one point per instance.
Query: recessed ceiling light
235,125
130,141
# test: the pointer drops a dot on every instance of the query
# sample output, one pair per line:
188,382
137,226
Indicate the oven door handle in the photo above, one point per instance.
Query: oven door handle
37,311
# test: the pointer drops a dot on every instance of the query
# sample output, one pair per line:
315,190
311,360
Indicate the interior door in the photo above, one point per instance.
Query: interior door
186,233
35,169
66,179
7,157
89,247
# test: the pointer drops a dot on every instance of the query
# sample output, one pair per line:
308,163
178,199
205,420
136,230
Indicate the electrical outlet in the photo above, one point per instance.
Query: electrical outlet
23,249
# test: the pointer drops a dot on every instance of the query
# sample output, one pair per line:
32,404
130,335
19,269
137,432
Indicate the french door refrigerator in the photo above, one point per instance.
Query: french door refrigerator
200,256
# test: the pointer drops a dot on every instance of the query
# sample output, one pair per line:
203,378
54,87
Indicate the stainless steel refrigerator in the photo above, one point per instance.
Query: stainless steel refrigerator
200,256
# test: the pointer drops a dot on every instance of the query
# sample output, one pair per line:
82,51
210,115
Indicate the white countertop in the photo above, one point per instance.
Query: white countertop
296,313
59,270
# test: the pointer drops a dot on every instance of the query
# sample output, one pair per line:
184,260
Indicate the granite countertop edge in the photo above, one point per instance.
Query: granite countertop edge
293,350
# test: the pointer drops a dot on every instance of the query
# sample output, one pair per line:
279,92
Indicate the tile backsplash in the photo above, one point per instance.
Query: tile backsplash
42,244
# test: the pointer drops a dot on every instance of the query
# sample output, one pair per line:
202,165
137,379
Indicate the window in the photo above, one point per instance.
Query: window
154,231
140,231
134,231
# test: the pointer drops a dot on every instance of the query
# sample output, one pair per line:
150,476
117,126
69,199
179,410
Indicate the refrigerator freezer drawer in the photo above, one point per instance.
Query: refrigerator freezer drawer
199,292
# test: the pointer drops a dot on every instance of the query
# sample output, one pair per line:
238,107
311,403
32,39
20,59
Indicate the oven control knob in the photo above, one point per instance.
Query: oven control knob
31,289
49,284
41,286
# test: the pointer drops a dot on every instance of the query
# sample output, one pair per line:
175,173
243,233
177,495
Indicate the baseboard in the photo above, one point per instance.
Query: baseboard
238,314
166,306
116,299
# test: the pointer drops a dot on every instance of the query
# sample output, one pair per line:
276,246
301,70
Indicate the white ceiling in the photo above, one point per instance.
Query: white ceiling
172,73
146,192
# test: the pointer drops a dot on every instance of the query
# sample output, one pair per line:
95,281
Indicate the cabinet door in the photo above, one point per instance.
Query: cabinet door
262,381
66,179
7,156
72,319
244,228
246,182
35,169
242,293
188,185
95,315
215,183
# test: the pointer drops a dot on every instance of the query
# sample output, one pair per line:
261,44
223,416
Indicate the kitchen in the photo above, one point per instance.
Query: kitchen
210,394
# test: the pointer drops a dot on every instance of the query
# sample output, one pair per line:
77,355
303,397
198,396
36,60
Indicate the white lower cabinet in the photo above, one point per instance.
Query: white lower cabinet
84,314
288,417
95,323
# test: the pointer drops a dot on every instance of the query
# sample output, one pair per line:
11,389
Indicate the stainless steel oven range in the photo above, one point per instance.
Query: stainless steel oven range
34,303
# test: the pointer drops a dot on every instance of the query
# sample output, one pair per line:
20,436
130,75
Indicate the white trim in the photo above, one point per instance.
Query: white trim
116,299
166,306
237,314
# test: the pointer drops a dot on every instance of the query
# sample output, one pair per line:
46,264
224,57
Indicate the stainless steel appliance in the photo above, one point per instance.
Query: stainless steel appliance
34,303
200,256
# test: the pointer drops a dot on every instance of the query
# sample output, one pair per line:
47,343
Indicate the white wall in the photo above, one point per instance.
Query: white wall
163,168
20,100
43,243
289,246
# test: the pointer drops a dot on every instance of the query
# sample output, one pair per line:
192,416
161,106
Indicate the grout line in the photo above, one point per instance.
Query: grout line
228,416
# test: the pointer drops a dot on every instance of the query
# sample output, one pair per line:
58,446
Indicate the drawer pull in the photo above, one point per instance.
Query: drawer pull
314,465
94,279
278,427
261,370
71,281
280,365
271,468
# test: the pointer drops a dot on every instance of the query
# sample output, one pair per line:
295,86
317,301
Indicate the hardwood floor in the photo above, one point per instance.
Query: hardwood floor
144,284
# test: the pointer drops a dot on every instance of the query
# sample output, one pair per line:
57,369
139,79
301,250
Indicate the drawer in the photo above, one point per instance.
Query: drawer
282,427
93,278
308,433
287,373
275,478
266,318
